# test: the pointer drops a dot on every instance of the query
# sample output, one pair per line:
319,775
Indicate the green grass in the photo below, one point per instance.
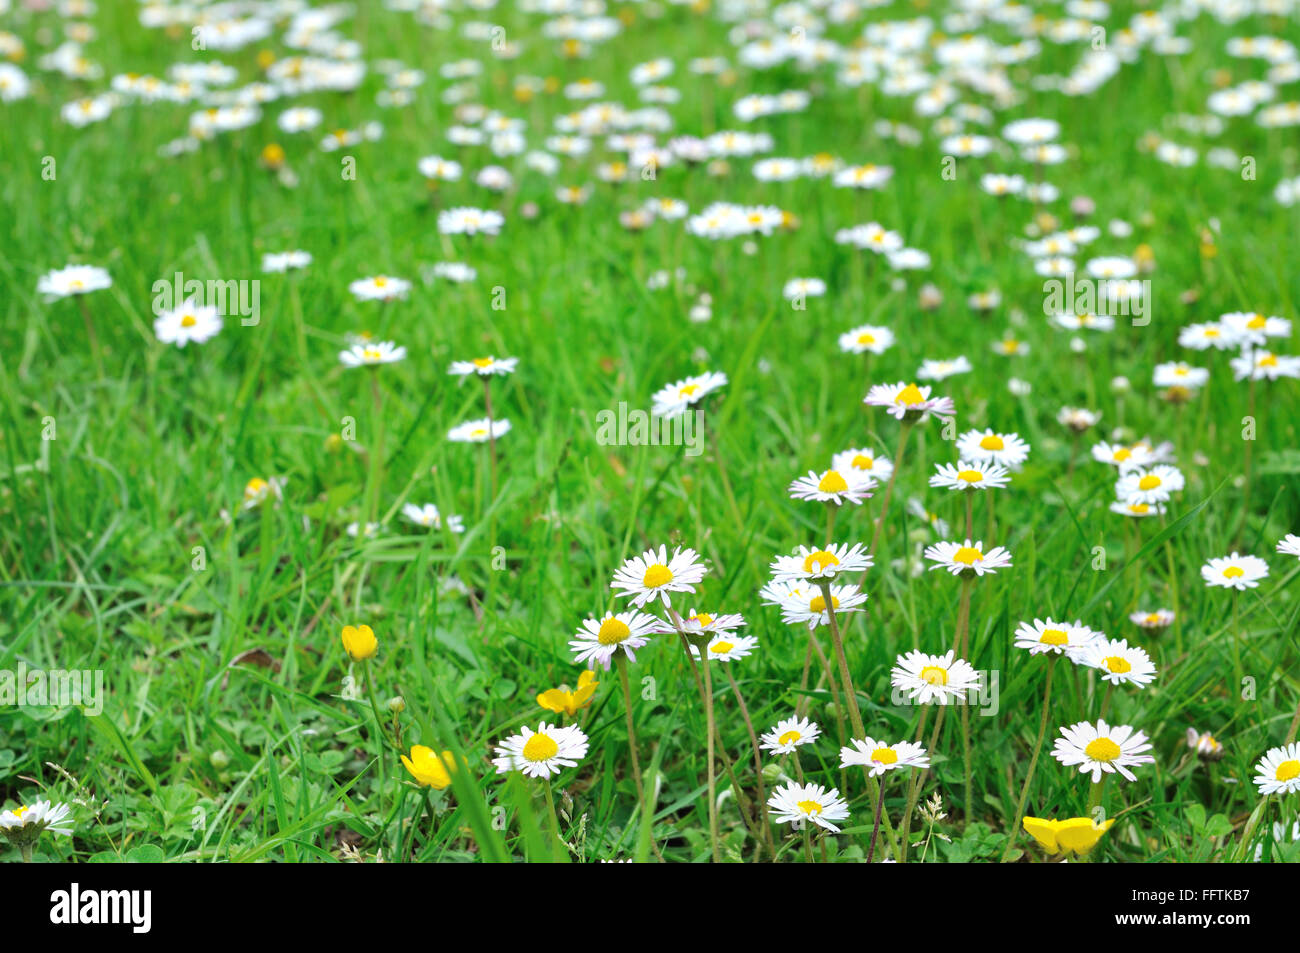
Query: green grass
197,759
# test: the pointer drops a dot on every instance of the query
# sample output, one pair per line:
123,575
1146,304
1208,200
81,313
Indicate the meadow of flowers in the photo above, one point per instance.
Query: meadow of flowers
819,431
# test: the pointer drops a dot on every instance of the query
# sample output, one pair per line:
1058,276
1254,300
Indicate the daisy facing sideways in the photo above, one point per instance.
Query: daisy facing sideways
1120,663
969,476
479,431
933,678
789,734
1044,636
808,803
880,756
673,400
967,557
818,564
864,461
727,647
1102,749
1234,572
484,366
24,825
380,288
1149,485
654,575
541,753
73,280
1289,545
908,402
372,354
1278,771
833,486
866,339
808,606
599,640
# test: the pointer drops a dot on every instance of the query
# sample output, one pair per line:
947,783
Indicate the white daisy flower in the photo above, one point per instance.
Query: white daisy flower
1122,457
24,825
277,263
969,476
865,461
1289,545
808,803
428,516
541,753
1137,510
479,431
816,564
1279,771
880,756
484,366
73,280
807,606
1155,619
940,370
1004,449
1251,328
654,575
803,288
967,557
789,735
850,486
470,221
1119,662
1149,485
1179,374
1234,572
933,678
1205,745
704,623
1264,365
1211,334
1078,419
673,400
371,354
1062,638
1102,749
600,639
909,402
380,288
189,322
727,647
867,338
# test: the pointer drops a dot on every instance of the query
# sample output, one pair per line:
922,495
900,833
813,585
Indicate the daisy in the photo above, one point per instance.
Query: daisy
372,354
673,400
275,263
1137,510
541,753
933,678
703,623
1156,619
600,639
1120,663
1289,545
469,221
851,486
380,288
1206,746
257,491
189,322
1179,374
1212,334
1077,418
484,366
1102,749
819,564
969,476
653,575
1254,329
939,370
1004,449
803,288
428,516
808,606
1122,457
1279,771
1234,572
789,734
73,280
800,803
1264,365
24,824
479,431
909,402
1153,485
967,557
1063,638
864,461
879,756
726,647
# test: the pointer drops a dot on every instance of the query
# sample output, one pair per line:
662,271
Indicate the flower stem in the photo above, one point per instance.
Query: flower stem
1014,826
620,661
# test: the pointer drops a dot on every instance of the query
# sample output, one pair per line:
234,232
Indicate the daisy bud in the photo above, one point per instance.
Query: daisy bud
396,705
359,642
219,760
1081,206
930,297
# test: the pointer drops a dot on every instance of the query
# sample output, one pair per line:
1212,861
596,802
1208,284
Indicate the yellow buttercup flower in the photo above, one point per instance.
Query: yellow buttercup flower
564,701
359,642
428,767
1074,835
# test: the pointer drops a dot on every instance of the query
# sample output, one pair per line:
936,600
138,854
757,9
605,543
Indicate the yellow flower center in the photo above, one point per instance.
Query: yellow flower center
970,476
540,747
656,576
1118,664
1288,771
372,354
1138,508
810,807
188,321
968,555
934,675
833,482
911,394
1122,454
612,631
703,619
483,362
992,442
1256,322
818,604
815,562
381,281
884,756
790,737
688,390
1149,482
1054,637
22,809
1268,360
721,648
1102,749
863,462
866,338
1233,572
